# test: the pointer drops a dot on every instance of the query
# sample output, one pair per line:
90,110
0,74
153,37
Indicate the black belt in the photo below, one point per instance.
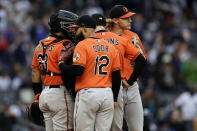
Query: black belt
54,86
51,73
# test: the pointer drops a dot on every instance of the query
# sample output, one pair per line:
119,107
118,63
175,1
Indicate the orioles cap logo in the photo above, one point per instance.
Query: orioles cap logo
125,9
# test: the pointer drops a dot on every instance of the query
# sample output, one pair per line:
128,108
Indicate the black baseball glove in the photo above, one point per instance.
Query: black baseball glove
34,114
67,52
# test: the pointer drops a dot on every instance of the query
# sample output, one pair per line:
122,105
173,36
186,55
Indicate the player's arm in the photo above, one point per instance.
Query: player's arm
116,75
36,76
69,73
116,81
36,83
139,65
71,70
134,55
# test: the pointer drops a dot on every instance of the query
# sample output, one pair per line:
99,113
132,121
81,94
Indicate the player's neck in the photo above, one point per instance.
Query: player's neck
117,30
92,35
99,28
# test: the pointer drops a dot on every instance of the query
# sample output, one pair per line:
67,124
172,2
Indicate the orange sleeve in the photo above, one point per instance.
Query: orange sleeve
35,64
141,46
131,51
79,56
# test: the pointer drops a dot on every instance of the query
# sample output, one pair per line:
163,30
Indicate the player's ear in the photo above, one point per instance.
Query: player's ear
85,30
115,20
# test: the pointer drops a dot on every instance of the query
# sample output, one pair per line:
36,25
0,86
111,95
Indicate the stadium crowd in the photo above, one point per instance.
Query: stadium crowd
167,28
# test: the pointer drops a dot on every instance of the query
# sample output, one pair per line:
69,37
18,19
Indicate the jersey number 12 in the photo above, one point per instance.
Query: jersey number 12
98,69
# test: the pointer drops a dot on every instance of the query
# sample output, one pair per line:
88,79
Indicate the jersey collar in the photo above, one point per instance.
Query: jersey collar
94,37
100,31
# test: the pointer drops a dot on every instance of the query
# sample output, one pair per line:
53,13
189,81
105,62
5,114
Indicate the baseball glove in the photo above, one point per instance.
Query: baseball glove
66,52
34,114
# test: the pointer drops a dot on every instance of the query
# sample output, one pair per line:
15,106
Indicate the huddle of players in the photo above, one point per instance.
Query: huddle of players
106,74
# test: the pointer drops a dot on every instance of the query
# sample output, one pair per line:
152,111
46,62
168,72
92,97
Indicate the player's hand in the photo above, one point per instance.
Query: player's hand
125,84
115,104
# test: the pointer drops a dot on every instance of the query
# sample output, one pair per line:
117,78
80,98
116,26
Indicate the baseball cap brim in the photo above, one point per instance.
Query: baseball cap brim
129,14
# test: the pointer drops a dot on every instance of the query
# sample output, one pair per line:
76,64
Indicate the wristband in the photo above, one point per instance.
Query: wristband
37,87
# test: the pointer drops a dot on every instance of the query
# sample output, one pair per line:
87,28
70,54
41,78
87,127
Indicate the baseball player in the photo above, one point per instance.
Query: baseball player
123,45
97,66
129,97
129,49
54,100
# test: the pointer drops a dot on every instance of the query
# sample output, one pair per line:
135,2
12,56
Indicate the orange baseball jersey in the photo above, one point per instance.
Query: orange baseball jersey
125,48
50,61
129,66
99,59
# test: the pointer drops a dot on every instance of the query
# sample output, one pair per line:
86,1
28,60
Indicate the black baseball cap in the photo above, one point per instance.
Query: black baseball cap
86,21
100,19
120,11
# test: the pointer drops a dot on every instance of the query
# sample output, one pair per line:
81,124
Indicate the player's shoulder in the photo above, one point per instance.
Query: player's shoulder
129,32
88,41
40,44
120,38
54,40
114,35
48,40
38,48
81,44
45,41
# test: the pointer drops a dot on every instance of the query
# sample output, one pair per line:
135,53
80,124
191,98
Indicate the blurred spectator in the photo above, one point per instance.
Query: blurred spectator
190,70
150,98
187,104
3,18
7,121
176,121
5,81
92,7
149,123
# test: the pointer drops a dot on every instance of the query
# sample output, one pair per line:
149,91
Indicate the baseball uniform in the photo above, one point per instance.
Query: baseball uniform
94,104
125,49
55,101
129,99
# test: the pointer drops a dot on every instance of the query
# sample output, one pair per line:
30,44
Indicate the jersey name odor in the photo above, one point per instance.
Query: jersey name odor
100,48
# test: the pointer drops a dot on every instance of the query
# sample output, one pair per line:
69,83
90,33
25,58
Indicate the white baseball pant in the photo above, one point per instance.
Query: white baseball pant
130,107
57,107
94,109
